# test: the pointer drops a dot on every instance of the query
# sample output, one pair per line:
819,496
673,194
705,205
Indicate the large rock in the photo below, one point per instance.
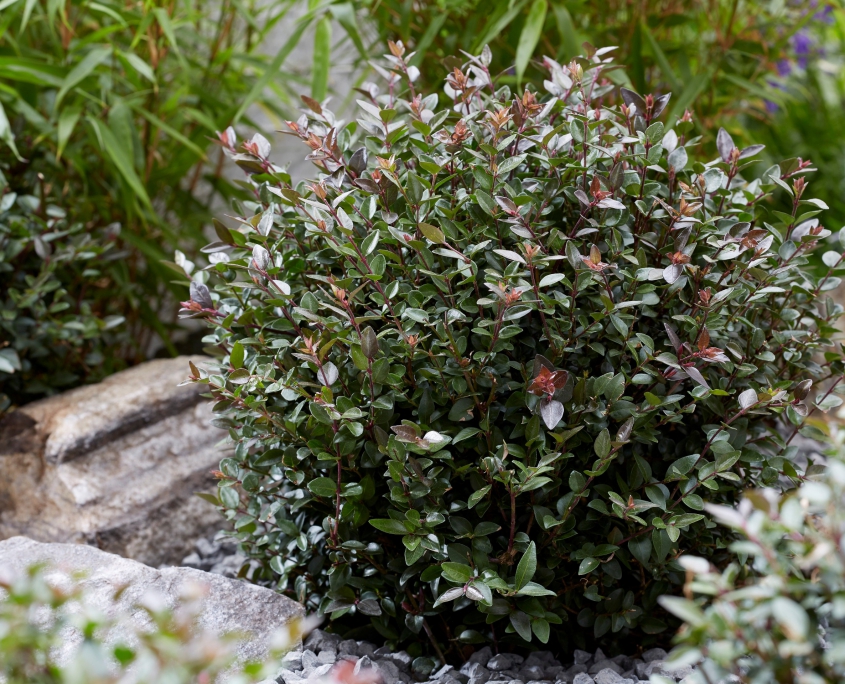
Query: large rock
229,605
115,465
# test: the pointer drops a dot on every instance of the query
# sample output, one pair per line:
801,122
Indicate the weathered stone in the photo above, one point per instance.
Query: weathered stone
581,657
608,676
228,605
654,654
318,640
532,673
583,678
400,658
605,664
115,465
502,661
482,655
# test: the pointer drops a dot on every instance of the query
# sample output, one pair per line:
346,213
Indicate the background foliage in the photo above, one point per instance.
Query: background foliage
577,334
59,323
114,104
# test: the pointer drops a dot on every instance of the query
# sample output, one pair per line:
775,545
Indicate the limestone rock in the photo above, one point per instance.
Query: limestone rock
229,605
114,464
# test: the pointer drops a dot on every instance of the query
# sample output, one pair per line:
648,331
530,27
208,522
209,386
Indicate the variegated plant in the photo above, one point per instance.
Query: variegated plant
484,372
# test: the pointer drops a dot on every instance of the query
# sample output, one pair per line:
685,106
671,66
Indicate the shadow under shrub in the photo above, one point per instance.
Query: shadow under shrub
484,374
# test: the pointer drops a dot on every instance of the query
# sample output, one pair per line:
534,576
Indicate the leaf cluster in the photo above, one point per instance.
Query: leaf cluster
775,613
485,372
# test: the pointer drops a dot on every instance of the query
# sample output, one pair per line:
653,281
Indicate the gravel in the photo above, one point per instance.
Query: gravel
324,653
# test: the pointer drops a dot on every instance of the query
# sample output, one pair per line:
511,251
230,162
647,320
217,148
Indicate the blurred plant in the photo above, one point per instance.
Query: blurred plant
114,103
809,122
39,612
59,324
576,334
714,55
776,614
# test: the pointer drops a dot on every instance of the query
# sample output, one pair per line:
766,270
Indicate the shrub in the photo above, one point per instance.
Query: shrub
483,375
37,616
775,614
58,324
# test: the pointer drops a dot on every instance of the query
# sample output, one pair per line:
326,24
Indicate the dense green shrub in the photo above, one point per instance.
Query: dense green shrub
37,613
57,322
776,614
115,104
483,375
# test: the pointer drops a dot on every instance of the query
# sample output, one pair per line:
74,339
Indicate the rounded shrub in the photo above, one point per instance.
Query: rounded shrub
483,374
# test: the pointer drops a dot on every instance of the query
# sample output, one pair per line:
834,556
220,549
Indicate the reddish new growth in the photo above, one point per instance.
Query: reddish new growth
548,382
679,258
594,262
596,190
708,353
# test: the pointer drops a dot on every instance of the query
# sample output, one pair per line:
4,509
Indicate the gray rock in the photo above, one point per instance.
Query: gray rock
538,681
575,669
382,651
228,605
289,677
115,465
364,663
401,659
553,671
319,640
471,669
444,671
319,673
327,656
653,654
608,676
365,648
504,661
481,656
599,655
660,667
348,646
309,659
389,672
292,661
605,664
532,673
583,678
582,657
479,679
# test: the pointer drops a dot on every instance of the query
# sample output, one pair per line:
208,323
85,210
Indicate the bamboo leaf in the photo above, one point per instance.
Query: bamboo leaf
530,36
322,59
84,68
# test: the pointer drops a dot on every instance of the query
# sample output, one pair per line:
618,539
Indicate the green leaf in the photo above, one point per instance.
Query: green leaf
84,68
602,444
323,486
236,356
322,58
456,572
527,566
390,526
477,496
534,589
530,36
433,233
588,565
522,624
121,158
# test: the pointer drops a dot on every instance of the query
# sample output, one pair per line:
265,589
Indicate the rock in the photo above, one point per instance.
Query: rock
653,654
327,656
582,657
319,640
481,656
389,672
661,668
228,606
504,661
292,661
348,646
400,658
363,664
574,670
532,673
605,664
583,678
445,671
608,676
115,465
